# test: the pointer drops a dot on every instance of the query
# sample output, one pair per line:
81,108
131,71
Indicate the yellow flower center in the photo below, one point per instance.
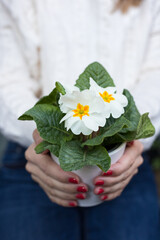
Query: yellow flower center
81,111
106,96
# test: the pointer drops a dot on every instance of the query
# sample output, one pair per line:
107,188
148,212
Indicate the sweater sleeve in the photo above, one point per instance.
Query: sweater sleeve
147,90
18,86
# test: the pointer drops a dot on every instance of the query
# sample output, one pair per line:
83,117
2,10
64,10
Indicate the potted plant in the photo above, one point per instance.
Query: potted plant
85,126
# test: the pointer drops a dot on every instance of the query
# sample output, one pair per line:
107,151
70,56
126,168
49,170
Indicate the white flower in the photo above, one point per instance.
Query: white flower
85,112
69,89
113,100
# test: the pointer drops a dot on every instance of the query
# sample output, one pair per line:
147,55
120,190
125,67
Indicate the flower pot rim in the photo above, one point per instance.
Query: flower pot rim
112,152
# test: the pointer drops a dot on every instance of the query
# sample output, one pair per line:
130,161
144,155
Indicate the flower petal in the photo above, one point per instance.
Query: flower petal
110,90
121,99
68,115
79,127
96,105
106,110
64,109
69,89
67,100
94,86
116,109
90,123
70,121
101,120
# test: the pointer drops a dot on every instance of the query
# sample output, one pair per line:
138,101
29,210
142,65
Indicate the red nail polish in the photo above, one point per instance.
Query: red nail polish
129,144
99,182
72,204
80,196
101,190
108,173
104,197
73,180
81,189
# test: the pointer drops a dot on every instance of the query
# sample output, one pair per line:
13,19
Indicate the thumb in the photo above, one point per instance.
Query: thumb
37,138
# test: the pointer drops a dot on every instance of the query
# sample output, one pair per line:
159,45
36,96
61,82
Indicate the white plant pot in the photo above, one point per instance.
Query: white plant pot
88,173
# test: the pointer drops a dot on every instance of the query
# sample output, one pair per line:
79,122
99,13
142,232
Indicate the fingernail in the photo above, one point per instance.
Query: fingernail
104,197
73,180
72,204
99,182
80,196
100,190
108,173
81,189
129,144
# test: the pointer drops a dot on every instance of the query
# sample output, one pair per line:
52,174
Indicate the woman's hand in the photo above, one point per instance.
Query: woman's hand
61,187
111,184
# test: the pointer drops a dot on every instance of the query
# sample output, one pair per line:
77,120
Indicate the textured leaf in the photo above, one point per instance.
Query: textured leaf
72,156
120,138
108,131
25,117
98,73
145,128
53,148
131,113
41,147
47,118
52,98
60,88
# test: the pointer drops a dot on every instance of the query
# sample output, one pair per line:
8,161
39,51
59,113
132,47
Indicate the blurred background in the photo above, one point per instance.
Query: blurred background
154,153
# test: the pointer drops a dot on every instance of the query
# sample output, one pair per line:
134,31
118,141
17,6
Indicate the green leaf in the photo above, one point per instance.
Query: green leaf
72,156
53,148
25,117
108,131
145,128
47,118
41,147
60,88
131,113
120,138
52,98
98,73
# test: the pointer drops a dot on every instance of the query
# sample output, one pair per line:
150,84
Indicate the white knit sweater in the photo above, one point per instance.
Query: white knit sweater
54,40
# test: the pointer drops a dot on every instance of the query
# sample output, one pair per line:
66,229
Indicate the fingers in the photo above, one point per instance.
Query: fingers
131,153
106,197
111,185
55,192
61,187
127,159
49,167
54,184
116,191
111,190
65,200
112,180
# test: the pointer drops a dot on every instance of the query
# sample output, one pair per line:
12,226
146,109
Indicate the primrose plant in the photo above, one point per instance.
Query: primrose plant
79,125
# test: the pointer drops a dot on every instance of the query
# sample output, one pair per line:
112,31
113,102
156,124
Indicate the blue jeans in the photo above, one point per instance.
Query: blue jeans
26,213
